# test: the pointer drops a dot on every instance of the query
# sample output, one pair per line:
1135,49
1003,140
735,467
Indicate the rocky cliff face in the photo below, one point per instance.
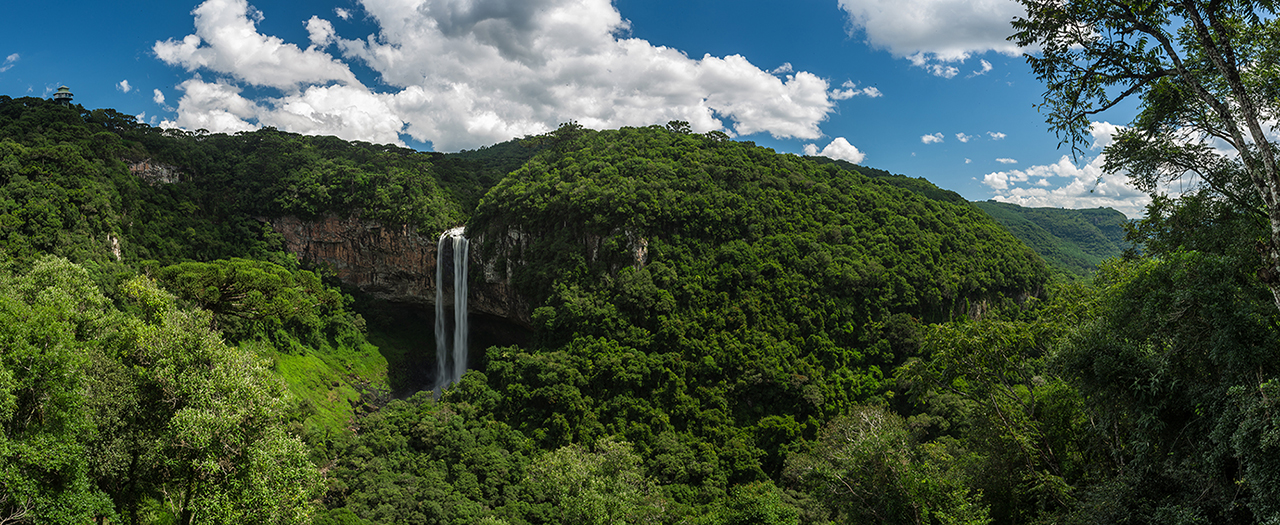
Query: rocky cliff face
395,263
155,173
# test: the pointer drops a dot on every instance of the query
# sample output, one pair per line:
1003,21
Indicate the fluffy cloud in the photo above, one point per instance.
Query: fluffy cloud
227,41
962,137
1086,187
9,62
935,138
1078,186
934,33
938,70
321,32
996,135
986,68
1103,134
487,70
851,90
213,106
124,86
1006,160
838,149
466,73
348,112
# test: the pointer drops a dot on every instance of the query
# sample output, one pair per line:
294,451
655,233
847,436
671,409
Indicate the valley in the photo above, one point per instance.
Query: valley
659,326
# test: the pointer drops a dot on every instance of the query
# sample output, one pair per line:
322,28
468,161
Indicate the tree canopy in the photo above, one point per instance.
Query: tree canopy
1204,77
718,334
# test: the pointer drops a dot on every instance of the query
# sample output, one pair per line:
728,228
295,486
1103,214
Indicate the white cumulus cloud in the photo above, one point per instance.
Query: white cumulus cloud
935,138
227,41
996,135
934,33
1077,185
466,73
1006,160
213,106
321,32
124,86
962,137
840,148
348,112
851,90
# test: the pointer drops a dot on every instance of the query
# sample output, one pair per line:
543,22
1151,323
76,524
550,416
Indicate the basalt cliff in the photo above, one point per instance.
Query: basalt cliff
397,263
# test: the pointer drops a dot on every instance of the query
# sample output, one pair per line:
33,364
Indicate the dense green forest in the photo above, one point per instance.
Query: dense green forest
799,341
1072,241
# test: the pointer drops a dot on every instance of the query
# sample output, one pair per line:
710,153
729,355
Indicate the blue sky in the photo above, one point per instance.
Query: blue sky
927,88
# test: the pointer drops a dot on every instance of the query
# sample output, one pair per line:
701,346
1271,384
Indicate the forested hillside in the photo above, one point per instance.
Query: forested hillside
717,334
1074,241
918,185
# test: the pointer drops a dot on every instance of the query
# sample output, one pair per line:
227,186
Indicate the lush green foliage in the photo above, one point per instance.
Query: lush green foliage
1177,366
1203,76
987,385
915,184
868,470
107,414
775,294
690,196
272,173
720,335
138,410
249,297
1072,241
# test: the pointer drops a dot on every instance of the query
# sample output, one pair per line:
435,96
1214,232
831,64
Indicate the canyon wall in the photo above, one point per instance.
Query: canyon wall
396,263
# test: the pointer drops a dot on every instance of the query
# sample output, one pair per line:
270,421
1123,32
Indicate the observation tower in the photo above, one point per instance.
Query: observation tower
63,96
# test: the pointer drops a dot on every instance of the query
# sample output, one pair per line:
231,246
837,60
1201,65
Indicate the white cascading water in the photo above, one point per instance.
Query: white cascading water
451,345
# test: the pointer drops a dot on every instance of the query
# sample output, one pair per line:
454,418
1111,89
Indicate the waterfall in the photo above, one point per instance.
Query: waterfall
451,345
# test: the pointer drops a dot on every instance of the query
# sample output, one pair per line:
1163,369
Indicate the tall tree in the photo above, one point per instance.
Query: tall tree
1205,76
221,453
51,321
103,413
1177,368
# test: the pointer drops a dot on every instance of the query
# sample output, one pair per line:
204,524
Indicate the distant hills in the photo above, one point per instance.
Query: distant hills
1073,241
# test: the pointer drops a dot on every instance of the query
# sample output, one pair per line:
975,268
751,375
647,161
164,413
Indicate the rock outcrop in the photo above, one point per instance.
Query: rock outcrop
155,173
394,263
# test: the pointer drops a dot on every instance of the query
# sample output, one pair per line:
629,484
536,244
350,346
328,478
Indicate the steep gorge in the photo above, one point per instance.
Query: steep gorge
393,263
394,267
